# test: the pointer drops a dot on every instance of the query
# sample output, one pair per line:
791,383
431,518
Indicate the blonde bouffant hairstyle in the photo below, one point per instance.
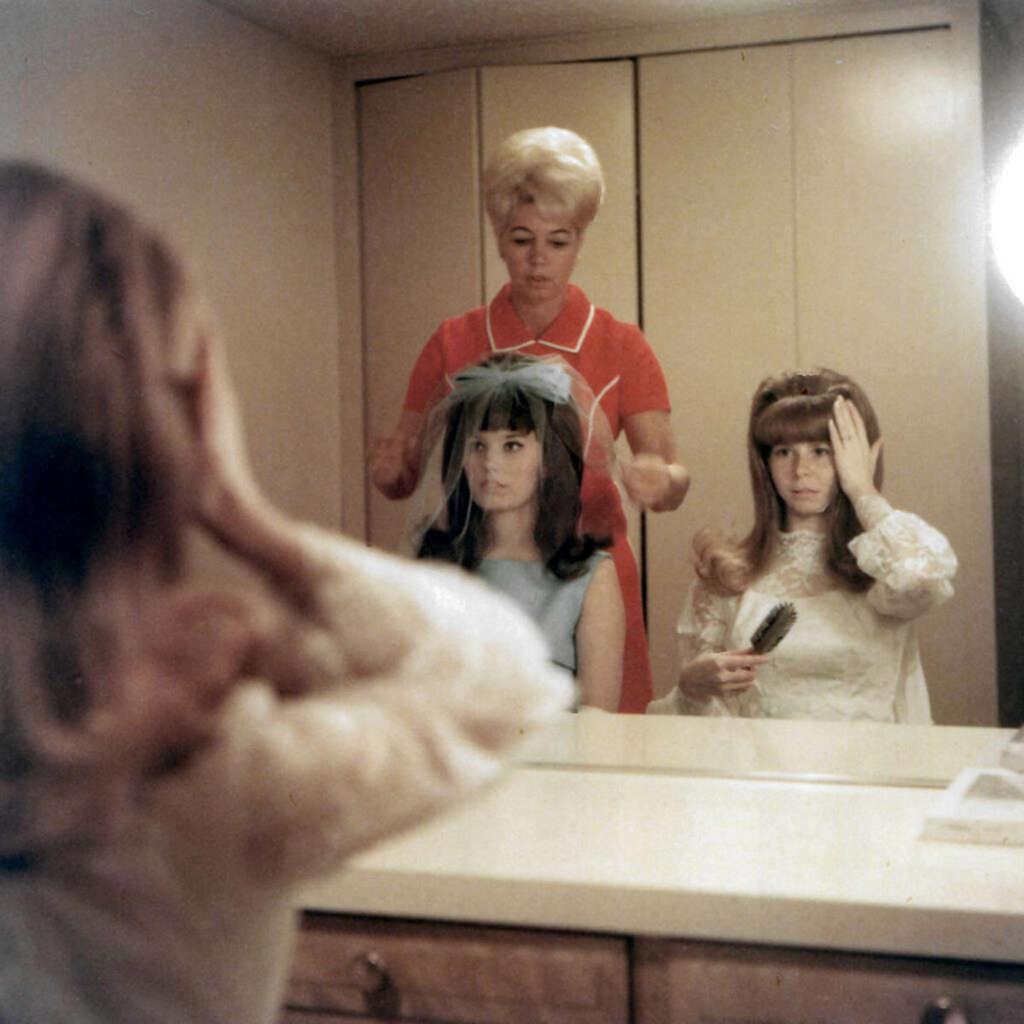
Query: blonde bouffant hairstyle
788,408
553,168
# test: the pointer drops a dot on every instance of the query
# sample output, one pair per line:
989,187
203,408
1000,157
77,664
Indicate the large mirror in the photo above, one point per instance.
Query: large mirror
855,237
794,203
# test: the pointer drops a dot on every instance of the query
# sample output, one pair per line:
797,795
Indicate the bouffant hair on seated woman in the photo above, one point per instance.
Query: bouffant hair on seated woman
501,393
788,408
553,168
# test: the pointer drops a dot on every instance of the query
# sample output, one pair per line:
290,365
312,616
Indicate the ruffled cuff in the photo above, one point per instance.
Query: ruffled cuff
871,509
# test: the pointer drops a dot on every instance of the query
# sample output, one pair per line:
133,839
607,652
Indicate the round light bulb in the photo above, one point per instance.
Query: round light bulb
1007,226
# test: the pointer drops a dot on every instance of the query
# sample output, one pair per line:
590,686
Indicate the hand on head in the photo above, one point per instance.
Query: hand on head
227,491
854,455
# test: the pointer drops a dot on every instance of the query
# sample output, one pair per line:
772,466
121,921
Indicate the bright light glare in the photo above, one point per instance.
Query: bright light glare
1008,220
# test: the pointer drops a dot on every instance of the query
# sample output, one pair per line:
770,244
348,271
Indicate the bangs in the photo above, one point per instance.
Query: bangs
507,409
794,419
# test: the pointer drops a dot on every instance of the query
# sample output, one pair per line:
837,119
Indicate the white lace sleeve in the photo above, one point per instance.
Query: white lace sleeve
703,626
436,676
911,561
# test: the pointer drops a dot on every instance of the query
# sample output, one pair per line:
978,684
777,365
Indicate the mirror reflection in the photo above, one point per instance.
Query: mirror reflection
788,218
767,207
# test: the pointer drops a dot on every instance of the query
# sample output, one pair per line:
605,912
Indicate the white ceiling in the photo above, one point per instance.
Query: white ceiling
348,28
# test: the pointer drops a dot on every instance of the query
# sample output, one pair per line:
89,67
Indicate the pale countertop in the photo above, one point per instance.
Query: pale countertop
624,828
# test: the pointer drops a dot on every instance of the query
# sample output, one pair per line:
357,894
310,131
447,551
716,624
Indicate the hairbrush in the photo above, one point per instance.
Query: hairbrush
774,626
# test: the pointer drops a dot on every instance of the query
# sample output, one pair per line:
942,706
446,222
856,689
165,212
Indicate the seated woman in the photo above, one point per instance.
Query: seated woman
512,467
176,752
857,571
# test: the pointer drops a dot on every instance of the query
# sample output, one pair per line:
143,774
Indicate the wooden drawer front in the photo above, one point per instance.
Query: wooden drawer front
406,971
707,983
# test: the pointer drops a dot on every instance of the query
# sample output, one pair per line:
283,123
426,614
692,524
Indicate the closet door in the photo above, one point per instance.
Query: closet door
890,259
420,243
718,284
816,204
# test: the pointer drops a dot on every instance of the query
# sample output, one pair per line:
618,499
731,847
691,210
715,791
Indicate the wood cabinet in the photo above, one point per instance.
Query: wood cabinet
370,969
716,983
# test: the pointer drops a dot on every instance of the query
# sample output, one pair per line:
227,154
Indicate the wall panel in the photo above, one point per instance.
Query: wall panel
421,260
885,174
715,179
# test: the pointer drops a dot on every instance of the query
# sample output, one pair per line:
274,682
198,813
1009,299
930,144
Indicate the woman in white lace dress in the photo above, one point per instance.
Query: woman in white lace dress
858,572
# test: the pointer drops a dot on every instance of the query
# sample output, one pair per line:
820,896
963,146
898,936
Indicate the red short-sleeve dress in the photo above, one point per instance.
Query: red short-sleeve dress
618,364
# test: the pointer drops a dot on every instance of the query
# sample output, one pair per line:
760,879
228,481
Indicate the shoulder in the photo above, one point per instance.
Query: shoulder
601,584
600,564
706,597
609,326
472,323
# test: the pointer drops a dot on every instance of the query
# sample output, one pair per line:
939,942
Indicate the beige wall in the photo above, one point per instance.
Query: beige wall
220,132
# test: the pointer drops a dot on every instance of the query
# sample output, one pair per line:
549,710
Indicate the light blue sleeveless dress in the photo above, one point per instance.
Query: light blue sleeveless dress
554,604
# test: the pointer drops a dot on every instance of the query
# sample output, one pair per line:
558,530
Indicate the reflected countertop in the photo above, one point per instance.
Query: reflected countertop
858,752
747,858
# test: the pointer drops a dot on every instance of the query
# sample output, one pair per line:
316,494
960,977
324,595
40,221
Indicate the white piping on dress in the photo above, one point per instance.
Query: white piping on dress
593,410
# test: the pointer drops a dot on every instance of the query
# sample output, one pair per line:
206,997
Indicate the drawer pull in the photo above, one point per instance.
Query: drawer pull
369,973
943,1011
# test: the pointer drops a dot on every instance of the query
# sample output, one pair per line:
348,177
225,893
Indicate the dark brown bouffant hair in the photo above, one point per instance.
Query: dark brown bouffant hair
460,534
786,409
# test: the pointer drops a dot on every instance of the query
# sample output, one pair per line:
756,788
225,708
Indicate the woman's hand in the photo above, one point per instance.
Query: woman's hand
653,483
229,502
854,455
718,673
227,488
394,459
655,479
390,470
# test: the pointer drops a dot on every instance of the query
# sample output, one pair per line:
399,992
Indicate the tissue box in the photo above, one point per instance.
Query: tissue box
981,805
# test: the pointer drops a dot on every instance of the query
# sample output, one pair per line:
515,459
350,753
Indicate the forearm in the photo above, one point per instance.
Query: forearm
300,783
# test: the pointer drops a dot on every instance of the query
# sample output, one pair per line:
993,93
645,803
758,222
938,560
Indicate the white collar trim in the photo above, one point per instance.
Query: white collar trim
540,341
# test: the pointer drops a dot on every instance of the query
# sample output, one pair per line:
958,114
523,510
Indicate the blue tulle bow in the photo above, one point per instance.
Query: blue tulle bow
546,380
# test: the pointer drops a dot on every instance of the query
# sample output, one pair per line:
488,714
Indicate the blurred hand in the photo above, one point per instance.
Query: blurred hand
227,485
392,465
651,482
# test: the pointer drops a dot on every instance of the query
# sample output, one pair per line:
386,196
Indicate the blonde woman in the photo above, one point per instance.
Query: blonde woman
542,189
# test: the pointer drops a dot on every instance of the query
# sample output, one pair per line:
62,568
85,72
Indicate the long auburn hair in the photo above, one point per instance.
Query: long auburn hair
786,409
461,535
98,471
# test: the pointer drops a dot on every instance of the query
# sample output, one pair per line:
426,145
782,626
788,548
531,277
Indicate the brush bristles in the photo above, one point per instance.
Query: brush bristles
775,625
